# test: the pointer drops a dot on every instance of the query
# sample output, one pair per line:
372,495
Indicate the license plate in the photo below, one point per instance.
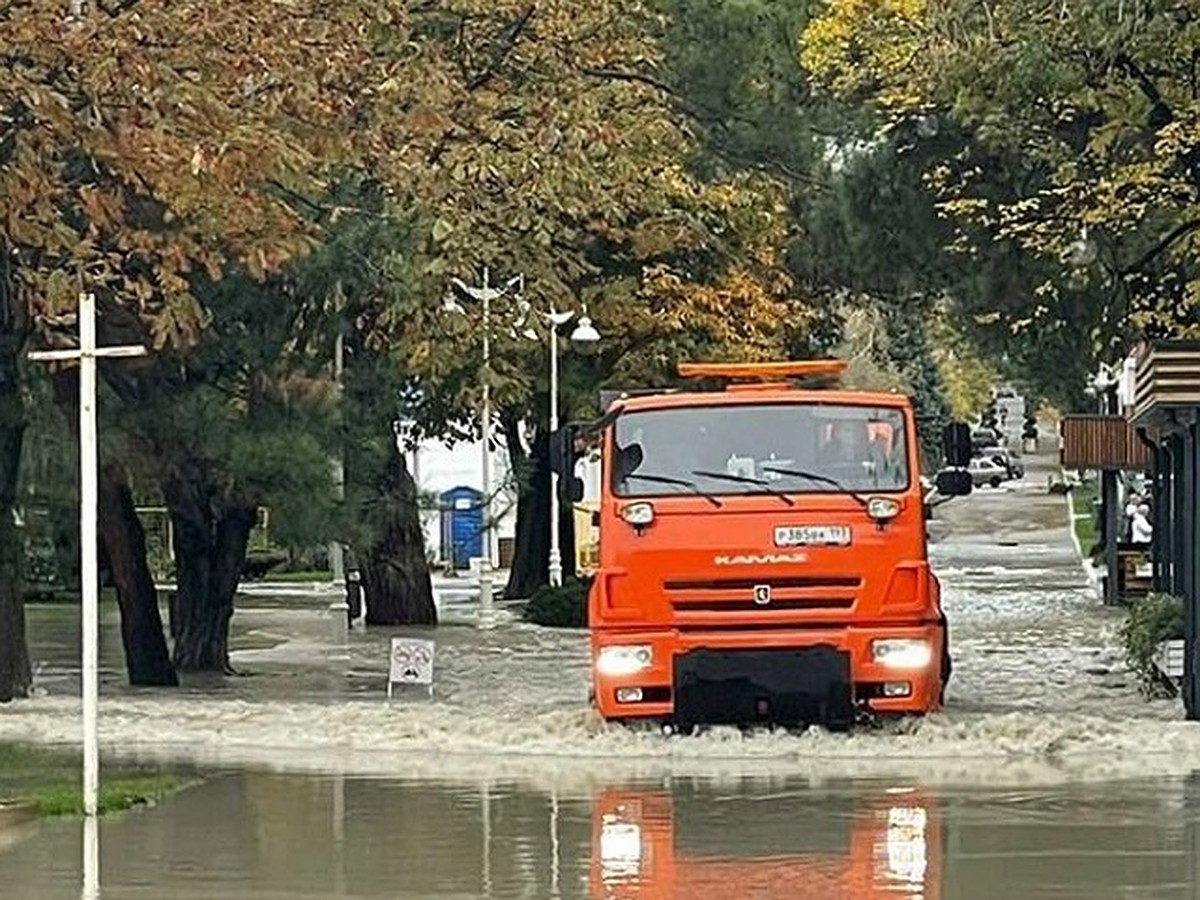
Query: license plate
811,535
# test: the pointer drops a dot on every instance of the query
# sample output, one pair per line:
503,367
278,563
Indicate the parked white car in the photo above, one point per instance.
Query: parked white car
985,471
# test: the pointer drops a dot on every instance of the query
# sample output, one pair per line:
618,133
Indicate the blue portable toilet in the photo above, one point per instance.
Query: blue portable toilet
462,525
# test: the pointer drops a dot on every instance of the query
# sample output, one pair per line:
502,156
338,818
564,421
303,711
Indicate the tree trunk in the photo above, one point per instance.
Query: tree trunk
531,551
394,568
64,525
146,657
210,549
15,673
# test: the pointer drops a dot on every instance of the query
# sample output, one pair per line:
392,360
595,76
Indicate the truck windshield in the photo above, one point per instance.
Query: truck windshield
794,448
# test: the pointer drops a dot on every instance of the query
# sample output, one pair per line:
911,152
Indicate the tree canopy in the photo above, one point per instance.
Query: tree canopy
1079,130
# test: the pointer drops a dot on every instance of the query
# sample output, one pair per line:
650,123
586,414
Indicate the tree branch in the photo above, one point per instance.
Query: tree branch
1160,112
510,42
1175,234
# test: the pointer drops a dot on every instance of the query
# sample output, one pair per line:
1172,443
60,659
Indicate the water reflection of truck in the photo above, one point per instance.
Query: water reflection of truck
694,842
762,554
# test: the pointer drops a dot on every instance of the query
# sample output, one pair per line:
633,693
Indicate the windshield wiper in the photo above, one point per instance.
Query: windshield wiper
682,482
824,479
743,479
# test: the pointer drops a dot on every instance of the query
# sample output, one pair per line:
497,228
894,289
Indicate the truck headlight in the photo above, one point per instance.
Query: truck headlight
882,508
639,515
623,659
901,653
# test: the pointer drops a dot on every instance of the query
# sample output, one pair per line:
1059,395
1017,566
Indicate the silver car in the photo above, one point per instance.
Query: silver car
986,471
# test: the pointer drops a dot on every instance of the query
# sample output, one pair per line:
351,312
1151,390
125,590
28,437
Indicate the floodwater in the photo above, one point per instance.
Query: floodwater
1048,775
261,836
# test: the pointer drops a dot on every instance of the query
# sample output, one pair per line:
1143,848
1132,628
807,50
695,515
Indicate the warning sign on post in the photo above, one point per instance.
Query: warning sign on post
411,663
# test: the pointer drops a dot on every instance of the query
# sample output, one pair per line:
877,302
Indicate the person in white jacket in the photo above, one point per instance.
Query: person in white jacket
1141,531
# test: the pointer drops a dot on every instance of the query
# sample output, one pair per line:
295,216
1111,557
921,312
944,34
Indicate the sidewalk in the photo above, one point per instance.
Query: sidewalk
461,585
456,589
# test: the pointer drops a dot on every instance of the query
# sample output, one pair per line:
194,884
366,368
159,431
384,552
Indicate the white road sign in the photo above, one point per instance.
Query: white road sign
411,663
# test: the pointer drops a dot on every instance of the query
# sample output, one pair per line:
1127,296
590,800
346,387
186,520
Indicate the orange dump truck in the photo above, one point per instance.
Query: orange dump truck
650,844
762,554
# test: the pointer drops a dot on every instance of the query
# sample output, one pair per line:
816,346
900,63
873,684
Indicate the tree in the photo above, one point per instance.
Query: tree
15,674
240,421
1092,110
122,545
143,144
538,106
366,277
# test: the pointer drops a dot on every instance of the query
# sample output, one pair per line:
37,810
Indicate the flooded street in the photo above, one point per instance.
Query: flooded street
263,835
1046,776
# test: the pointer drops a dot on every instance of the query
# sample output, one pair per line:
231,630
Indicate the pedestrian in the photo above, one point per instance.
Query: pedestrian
1131,507
1141,531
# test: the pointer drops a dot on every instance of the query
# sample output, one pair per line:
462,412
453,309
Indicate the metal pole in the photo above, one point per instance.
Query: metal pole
485,567
555,514
337,556
88,492
1110,508
1160,549
485,295
1179,515
1191,589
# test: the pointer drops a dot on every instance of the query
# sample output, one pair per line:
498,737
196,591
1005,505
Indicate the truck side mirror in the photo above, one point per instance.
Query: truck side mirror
562,451
954,483
562,461
956,444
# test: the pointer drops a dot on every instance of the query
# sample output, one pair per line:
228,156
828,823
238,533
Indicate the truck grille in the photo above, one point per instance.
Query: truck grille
736,595
748,584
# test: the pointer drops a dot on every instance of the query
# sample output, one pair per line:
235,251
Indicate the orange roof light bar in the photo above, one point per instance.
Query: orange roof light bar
772,371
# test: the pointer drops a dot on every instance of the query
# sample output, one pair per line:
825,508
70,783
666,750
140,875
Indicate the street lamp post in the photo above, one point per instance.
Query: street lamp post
484,295
585,334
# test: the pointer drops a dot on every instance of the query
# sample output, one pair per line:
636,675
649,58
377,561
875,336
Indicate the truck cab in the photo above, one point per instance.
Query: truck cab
762,555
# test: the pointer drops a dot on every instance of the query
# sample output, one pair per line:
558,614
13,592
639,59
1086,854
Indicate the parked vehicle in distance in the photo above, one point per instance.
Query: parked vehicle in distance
1009,459
985,471
985,437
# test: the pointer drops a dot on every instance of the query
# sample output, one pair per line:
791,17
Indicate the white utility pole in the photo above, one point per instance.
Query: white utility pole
485,295
86,356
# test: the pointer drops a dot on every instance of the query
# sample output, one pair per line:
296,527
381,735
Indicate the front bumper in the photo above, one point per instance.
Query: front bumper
792,686
783,677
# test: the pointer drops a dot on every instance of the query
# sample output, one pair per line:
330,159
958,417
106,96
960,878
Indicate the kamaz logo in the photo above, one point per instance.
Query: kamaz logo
760,559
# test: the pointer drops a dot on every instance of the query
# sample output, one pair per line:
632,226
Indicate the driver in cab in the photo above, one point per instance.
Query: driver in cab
845,444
